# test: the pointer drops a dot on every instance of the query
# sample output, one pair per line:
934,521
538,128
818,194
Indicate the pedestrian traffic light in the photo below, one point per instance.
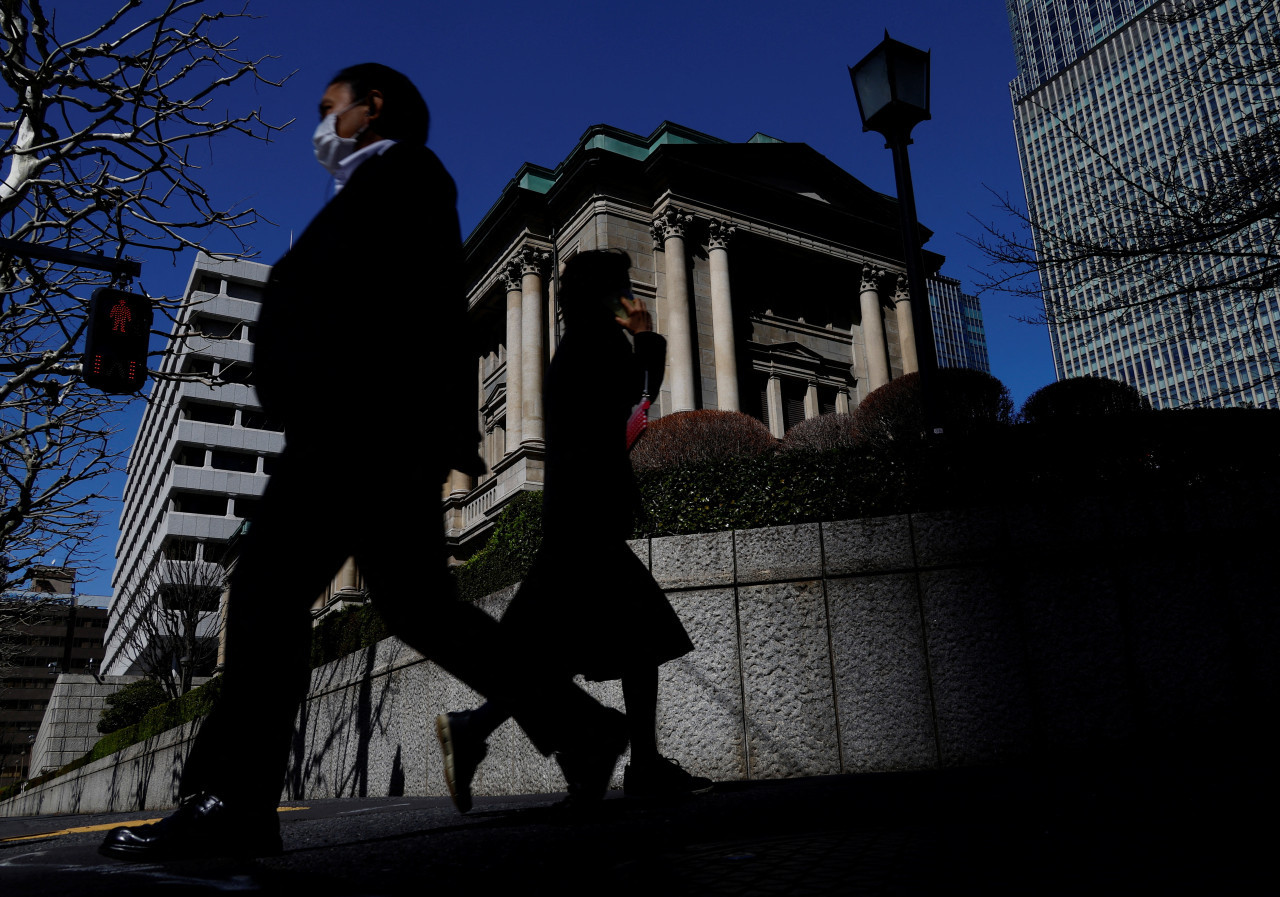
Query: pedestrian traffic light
115,347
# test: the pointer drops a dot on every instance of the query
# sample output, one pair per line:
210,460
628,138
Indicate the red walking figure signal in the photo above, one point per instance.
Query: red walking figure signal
115,352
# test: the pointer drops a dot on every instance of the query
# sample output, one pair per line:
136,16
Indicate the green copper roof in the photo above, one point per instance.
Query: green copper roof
623,143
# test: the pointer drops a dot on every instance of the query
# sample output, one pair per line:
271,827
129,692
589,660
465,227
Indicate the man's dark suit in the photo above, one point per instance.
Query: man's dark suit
362,355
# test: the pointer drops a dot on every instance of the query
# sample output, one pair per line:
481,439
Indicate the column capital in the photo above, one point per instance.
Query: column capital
509,274
901,289
531,260
719,234
872,278
670,222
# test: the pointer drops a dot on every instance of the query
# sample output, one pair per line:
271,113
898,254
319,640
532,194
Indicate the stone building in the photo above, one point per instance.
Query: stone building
776,277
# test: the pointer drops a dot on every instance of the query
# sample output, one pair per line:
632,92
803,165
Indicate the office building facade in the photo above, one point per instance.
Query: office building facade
958,331
201,457
1115,107
197,469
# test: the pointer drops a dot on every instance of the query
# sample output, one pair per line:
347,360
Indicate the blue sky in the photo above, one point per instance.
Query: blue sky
514,82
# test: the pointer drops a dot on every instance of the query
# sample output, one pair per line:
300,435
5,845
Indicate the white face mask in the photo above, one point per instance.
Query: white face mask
331,149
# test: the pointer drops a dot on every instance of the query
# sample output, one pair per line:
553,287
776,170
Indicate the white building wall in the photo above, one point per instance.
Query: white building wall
227,292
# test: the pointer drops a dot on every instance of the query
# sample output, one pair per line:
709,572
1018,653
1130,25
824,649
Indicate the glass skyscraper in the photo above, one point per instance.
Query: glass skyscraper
1116,111
958,332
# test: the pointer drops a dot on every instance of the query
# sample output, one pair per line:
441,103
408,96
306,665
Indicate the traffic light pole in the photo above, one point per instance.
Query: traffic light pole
121,268
119,323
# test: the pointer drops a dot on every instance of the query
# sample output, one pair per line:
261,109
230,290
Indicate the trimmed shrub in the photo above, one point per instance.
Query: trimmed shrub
506,557
345,632
1082,397
822,434
695,437
971,402
770,490
129,704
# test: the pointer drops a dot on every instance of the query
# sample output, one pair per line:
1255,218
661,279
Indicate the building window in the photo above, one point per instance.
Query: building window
180,549
241,462
209,414
189,456
199,503
256,420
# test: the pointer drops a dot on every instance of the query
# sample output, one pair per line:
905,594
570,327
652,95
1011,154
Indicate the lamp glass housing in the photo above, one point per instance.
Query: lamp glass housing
891,84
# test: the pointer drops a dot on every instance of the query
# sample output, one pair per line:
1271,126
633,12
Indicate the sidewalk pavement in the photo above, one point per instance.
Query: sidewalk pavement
1119,827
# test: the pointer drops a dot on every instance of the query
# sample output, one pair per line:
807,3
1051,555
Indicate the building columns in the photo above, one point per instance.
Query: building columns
906,326
515,336
873,326
773,398
668,235
532,262
811,407
722,317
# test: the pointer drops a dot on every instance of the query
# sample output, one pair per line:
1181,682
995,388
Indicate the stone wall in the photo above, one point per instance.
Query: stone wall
69,728
895,643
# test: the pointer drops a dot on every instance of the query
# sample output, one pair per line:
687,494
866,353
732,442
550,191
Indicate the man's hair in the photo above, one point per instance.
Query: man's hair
593,276
404,113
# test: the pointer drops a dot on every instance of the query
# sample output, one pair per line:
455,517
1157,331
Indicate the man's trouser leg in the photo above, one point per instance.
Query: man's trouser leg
289,555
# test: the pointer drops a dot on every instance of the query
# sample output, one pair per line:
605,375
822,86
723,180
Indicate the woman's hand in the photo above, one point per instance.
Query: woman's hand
638,319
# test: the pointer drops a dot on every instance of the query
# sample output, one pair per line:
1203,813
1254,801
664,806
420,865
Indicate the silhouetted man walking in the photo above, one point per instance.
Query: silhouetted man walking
361,353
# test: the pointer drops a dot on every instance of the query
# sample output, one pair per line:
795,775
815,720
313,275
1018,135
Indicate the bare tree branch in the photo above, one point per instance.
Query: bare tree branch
176,622
96,156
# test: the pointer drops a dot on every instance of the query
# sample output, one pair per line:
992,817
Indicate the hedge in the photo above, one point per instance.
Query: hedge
346,632
129,704
506,556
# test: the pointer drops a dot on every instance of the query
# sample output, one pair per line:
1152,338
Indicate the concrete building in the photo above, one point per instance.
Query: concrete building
198,466
65,637
1106,96
202,453
776,277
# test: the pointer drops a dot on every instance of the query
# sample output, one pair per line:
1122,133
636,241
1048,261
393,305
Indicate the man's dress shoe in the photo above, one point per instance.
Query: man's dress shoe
203,826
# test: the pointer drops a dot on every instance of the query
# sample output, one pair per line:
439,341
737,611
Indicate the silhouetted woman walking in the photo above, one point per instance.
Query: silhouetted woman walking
588,604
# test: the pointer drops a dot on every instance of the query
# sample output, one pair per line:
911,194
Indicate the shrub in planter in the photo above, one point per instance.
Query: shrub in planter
345,632
1082,397
507,555
970,401
822,434
696,437
129,704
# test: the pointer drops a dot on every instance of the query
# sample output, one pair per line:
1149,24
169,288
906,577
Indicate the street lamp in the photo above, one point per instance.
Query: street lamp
891,84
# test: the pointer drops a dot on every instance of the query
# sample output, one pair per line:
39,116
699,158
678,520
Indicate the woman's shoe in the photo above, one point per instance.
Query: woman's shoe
462,756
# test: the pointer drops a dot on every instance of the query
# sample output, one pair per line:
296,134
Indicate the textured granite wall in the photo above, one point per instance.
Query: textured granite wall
895,643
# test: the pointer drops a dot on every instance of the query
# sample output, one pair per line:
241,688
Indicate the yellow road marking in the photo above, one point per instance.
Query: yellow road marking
106,826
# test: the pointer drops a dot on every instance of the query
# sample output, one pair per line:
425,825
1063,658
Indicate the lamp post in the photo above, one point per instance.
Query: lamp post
891,84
